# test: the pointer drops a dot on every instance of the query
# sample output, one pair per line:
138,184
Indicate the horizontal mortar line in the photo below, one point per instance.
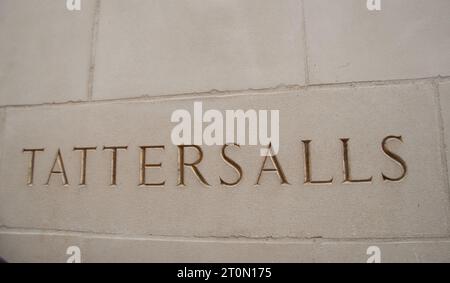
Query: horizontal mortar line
167,97
231,238
280,89
172,97
370,83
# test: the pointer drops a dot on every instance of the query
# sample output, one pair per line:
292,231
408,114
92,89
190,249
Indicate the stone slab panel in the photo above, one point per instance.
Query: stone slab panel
405,39
45,51
169,47
416,206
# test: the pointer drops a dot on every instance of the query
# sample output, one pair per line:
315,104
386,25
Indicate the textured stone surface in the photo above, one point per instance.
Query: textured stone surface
179,52
415,206
169,47
44,51
406,39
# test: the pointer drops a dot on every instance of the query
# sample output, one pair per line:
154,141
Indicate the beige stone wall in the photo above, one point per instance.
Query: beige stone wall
112,74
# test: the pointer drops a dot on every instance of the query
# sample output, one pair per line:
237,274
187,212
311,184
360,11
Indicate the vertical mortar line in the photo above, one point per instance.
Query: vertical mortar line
442,144
94,33
305,44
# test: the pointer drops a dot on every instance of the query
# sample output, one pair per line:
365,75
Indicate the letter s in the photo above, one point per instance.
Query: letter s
394,157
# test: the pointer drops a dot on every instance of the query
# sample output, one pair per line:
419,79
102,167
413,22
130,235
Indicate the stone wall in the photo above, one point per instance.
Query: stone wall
112,73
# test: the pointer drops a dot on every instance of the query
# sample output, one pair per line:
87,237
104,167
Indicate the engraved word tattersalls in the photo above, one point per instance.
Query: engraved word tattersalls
270,164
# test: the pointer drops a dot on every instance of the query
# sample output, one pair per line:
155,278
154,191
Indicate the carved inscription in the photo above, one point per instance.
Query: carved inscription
270,164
